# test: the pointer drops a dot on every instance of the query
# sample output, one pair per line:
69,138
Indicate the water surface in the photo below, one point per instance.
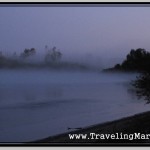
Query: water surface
40,103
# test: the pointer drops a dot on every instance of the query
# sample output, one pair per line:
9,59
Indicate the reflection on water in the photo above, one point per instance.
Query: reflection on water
29,93
37,104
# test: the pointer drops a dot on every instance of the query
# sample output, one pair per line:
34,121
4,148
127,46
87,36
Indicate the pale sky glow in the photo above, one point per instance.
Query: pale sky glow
104,32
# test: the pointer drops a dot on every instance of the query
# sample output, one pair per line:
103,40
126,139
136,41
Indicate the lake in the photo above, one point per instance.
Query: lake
35,104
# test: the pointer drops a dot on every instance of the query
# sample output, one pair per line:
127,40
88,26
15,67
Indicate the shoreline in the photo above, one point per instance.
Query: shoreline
138,123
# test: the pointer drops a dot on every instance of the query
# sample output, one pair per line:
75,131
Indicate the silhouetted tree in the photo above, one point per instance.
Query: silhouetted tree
28,52
136,60
139,60
117,67
142,85
53,55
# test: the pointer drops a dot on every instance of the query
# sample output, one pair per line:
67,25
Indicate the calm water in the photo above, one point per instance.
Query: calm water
37,104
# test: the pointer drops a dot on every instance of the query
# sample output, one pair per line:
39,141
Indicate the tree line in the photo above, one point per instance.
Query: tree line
52,59
137,60
52,55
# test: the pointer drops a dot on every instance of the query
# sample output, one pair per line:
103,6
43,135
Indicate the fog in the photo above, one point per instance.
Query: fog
42,95
102,36
35,104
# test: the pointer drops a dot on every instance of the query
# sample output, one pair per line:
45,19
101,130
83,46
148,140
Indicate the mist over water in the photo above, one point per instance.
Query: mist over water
38,103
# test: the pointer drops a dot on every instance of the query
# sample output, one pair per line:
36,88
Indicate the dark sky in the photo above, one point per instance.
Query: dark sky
104,34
